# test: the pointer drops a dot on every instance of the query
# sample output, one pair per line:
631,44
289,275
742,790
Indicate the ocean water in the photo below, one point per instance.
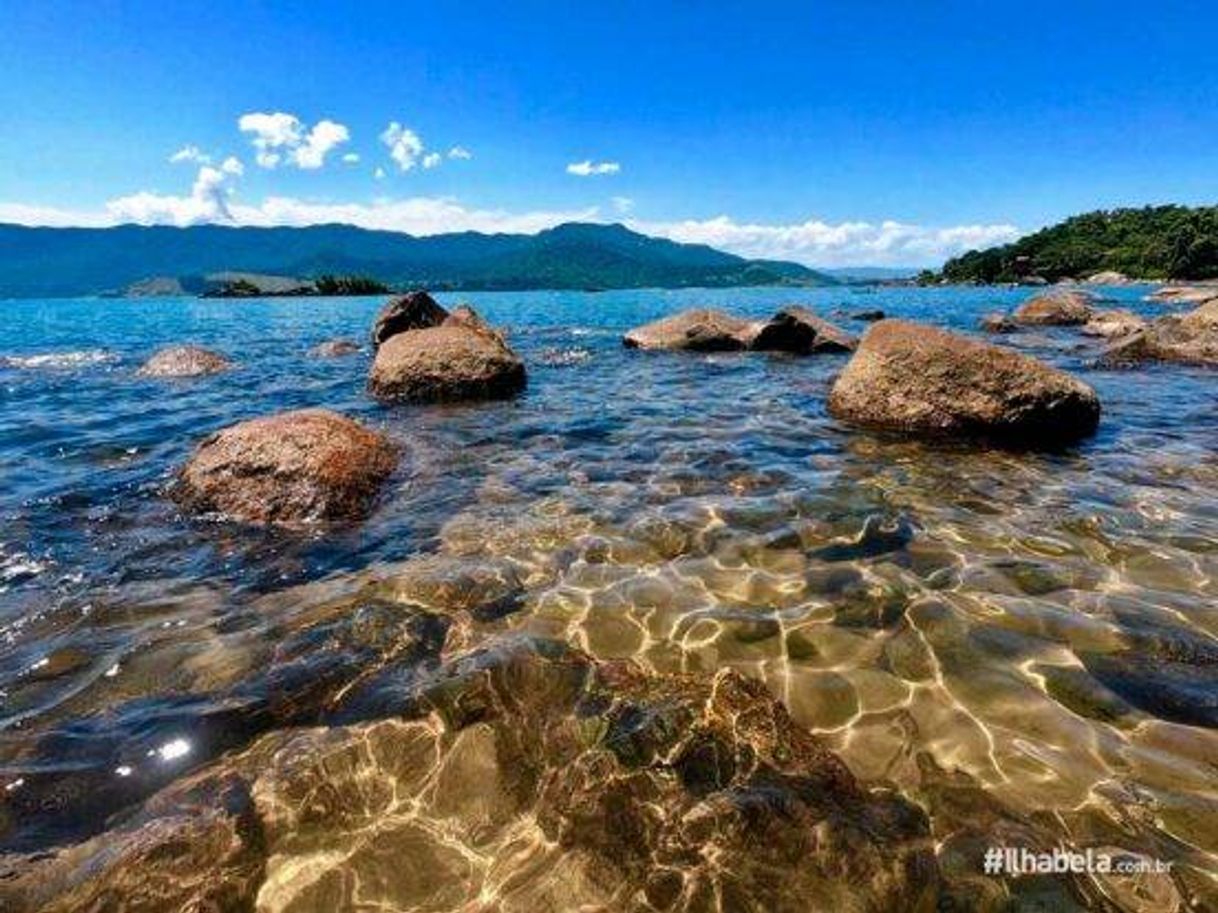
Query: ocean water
1044,626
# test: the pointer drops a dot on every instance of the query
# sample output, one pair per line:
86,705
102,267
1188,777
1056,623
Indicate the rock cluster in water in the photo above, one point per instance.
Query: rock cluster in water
184,361
425,354
915,378
793,329
1189,338
294,467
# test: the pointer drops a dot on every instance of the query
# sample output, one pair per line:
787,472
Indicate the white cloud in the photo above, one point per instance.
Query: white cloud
281,137
817,243
404,144
415,215
432,159
351,158
52,216
623,204
325,135
189,153
379,174
207,203
587,168
232,165
460,152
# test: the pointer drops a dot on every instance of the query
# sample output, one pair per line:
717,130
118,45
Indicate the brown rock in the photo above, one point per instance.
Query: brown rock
465,316
998,323
1058,308
1112,324
1185,294
456,361
910,377
184,361
195,846
702,330
415,310
335,348
1109,277
293,467
1190,338
798,330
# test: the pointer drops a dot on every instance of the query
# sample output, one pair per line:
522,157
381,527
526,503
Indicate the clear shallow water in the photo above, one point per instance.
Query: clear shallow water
1043,624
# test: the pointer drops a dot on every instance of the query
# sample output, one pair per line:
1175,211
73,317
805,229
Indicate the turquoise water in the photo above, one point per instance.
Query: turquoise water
650,506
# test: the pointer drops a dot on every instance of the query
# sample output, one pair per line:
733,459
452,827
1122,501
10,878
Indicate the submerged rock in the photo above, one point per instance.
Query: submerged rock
868,316
1058,308
293,467
415,310
526,772
335,348
703,330
195,846
915,378
184,361
459,360
798,330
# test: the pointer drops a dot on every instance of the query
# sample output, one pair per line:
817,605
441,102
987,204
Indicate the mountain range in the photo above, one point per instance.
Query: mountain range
57,262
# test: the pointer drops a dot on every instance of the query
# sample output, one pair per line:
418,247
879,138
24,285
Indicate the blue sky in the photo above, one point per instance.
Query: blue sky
832,133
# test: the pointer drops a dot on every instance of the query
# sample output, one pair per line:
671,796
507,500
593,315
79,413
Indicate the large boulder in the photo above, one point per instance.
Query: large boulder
796,329
295,467
460,360
1058,308
701,330
1190,338
415,310
184,361
915,378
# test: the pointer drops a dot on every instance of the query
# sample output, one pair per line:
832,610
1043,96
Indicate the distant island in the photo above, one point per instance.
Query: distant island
1152,243
134,260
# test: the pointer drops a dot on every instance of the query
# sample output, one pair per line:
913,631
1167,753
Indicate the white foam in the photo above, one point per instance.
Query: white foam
57,360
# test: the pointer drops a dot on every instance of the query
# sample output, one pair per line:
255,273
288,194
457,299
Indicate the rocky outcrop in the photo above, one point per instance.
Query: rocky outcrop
456,361
184,361
793,329
1190,338
1112,324
415,310
334,348
798,330
702,330
1057,308
295,467
915,378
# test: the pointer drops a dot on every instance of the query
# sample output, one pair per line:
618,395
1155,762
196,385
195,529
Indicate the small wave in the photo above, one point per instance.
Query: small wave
55,360
562,358
18,566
